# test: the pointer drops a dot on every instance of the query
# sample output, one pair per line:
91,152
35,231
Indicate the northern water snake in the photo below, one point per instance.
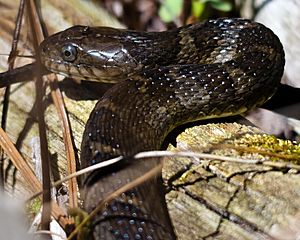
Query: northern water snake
212,69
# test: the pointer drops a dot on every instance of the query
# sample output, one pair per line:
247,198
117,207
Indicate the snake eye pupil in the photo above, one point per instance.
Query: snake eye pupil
69,53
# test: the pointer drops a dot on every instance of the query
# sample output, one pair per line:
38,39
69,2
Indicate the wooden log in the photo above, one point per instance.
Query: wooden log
225,200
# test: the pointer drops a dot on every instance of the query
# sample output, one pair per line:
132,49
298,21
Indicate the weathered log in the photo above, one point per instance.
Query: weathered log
225,200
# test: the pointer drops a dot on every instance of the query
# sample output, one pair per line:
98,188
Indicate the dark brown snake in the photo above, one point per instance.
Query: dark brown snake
164,79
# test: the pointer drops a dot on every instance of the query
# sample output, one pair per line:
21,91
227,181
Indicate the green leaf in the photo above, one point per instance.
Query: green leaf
221,5
197,8
170,9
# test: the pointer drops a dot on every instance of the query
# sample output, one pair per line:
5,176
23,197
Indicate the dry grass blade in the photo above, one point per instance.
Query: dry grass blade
79,173
59,104
193,155
37,38
11,60
20,74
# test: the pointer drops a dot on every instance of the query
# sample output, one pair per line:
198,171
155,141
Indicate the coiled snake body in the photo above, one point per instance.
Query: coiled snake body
212,69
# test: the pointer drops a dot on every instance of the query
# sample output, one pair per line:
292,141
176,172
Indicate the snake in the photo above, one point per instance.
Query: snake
212,69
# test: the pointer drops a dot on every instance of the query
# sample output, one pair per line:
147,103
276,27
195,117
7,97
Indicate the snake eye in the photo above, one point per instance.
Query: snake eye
69,53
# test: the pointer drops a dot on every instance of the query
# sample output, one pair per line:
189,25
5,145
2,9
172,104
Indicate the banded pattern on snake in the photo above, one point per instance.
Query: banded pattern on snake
163,79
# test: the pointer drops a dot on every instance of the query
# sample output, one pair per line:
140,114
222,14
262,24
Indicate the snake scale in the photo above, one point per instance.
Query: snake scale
207,70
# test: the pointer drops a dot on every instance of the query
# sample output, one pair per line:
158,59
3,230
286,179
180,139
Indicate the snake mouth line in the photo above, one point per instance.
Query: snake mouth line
76,71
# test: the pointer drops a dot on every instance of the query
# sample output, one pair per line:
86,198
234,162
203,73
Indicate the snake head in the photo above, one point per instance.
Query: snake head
89,53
